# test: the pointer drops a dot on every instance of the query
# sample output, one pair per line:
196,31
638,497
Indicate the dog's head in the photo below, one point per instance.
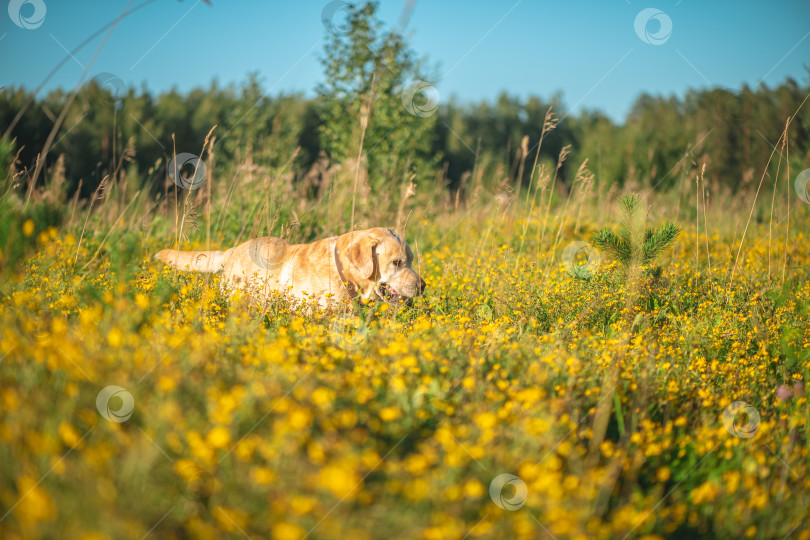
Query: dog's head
382,262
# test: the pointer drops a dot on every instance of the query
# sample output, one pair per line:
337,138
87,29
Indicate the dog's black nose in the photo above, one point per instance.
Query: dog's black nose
422,285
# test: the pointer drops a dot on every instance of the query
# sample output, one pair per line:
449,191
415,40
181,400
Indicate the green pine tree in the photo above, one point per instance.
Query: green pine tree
634,245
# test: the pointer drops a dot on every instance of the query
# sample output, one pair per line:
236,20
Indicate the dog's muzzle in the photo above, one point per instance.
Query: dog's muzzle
388,293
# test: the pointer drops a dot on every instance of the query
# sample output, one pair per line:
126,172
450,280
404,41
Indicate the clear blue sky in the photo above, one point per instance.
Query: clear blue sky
590,51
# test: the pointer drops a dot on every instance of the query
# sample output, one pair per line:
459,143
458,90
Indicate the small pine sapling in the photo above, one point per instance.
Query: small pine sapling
634,245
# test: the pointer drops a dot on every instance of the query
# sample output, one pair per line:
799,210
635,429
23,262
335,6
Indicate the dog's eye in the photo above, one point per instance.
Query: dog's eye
398,263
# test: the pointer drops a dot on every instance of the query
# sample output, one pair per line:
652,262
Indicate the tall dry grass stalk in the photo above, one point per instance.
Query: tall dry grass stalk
461,185
408,191
636,225
748,223
756,195
583,175
74,204
585,190
524,151
697,227
787,225
188,210
706,221
110,230
549,123
609,399
560,160
226,203
176,215
98,195
13,176
773,196
365,114
115,182
263,209
212,161
42,157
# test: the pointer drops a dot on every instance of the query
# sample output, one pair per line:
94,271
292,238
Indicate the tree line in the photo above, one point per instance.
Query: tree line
377,105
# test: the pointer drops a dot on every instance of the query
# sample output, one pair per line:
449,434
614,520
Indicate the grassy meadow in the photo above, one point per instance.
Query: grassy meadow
608,394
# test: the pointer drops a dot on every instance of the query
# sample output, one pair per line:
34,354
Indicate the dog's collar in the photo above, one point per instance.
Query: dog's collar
350,288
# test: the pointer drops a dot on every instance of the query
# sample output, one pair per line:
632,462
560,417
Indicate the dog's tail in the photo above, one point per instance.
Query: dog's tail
199,261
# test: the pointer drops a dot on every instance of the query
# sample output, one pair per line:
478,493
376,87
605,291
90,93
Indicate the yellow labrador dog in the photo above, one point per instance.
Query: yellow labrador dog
368,264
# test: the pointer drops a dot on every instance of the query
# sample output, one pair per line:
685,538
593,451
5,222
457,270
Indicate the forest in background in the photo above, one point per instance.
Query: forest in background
732,132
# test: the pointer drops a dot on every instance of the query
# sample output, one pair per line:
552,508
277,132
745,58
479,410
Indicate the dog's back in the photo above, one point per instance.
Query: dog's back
199,261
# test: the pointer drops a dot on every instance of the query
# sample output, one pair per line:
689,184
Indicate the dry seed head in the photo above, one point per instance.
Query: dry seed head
543,177
101,191
550,121
363,116
503,199
584,174
190,214
410,191
563,154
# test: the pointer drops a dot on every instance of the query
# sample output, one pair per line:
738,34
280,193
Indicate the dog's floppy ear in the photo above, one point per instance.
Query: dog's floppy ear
361,253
